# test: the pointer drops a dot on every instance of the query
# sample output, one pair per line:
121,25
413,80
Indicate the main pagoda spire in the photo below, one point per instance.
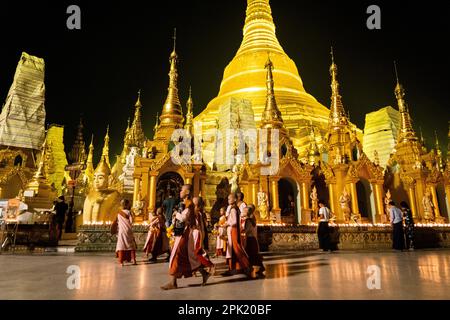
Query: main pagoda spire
172,116
406,132
259,29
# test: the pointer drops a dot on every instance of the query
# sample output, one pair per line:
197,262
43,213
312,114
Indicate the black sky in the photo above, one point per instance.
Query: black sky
96,71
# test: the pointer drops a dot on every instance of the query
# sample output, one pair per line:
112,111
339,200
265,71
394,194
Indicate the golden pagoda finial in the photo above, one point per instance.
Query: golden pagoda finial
78,152
172,114
189,113
105,151
422,139
89,172
138,103
271,117
406,131
155,128
174,39
135,136
436,143
259,29
338,116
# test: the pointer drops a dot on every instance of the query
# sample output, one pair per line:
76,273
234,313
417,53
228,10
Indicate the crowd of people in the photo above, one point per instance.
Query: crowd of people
401,220
236,238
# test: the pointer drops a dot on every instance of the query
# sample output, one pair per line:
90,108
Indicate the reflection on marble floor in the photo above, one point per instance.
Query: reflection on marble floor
289,275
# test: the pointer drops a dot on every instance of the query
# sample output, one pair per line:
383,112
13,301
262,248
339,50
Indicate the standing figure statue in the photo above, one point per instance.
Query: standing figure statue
345,201
314,203
263,205
428,207
387,199
234,179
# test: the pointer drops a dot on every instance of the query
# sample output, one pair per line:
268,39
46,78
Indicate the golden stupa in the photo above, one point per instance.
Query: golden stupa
244,78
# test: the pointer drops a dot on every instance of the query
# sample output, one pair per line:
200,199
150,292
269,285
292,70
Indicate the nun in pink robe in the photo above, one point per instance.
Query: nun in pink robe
126,244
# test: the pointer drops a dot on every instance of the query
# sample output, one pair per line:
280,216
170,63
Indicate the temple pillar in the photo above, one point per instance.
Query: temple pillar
145,187
254,192
305,195
412,200
379,203
354,195
152,192
274,196
196,185
331,191
136,189
437,212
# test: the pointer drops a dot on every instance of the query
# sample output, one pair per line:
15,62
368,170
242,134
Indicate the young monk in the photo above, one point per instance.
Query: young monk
183,259
221,233
157,242
236,256
202,246
251,240
126,244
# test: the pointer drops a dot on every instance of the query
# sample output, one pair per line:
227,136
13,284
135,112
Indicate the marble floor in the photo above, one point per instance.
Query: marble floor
362,275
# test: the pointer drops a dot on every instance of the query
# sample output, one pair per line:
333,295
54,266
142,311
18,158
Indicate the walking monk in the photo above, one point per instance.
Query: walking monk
157,242
183,259
126,245
236,256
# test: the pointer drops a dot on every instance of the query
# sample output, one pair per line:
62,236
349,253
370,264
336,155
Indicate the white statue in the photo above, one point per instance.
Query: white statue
234,179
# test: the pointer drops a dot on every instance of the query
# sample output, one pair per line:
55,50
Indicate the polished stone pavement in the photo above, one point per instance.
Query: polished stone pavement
423,274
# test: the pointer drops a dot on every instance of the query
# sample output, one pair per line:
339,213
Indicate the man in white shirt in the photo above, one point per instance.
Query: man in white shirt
396,218
323,231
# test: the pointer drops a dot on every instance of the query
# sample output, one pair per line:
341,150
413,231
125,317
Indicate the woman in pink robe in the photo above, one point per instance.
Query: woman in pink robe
126,244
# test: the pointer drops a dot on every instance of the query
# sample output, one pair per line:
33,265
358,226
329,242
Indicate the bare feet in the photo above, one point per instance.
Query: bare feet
134,263
169,286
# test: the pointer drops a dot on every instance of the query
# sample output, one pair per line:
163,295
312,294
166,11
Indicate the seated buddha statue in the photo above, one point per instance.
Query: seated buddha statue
101,203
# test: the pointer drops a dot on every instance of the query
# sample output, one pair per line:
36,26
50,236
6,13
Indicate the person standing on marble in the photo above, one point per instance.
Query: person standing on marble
396,218
157,242
202,220
409,225
323,230
236,256
221,232
251,240
126,244
61,208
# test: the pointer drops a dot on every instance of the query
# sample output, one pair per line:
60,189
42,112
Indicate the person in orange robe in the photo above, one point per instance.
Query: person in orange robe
157,242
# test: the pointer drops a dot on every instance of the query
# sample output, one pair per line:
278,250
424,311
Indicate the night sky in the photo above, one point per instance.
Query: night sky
123,47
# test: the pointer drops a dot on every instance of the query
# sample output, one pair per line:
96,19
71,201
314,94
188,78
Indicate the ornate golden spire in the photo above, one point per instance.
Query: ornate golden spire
189,113
271,117
78,152
439,160
172,115
135,135
105,151
155,128
406,132
259,29
338,118
40,172
89,172
313,150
